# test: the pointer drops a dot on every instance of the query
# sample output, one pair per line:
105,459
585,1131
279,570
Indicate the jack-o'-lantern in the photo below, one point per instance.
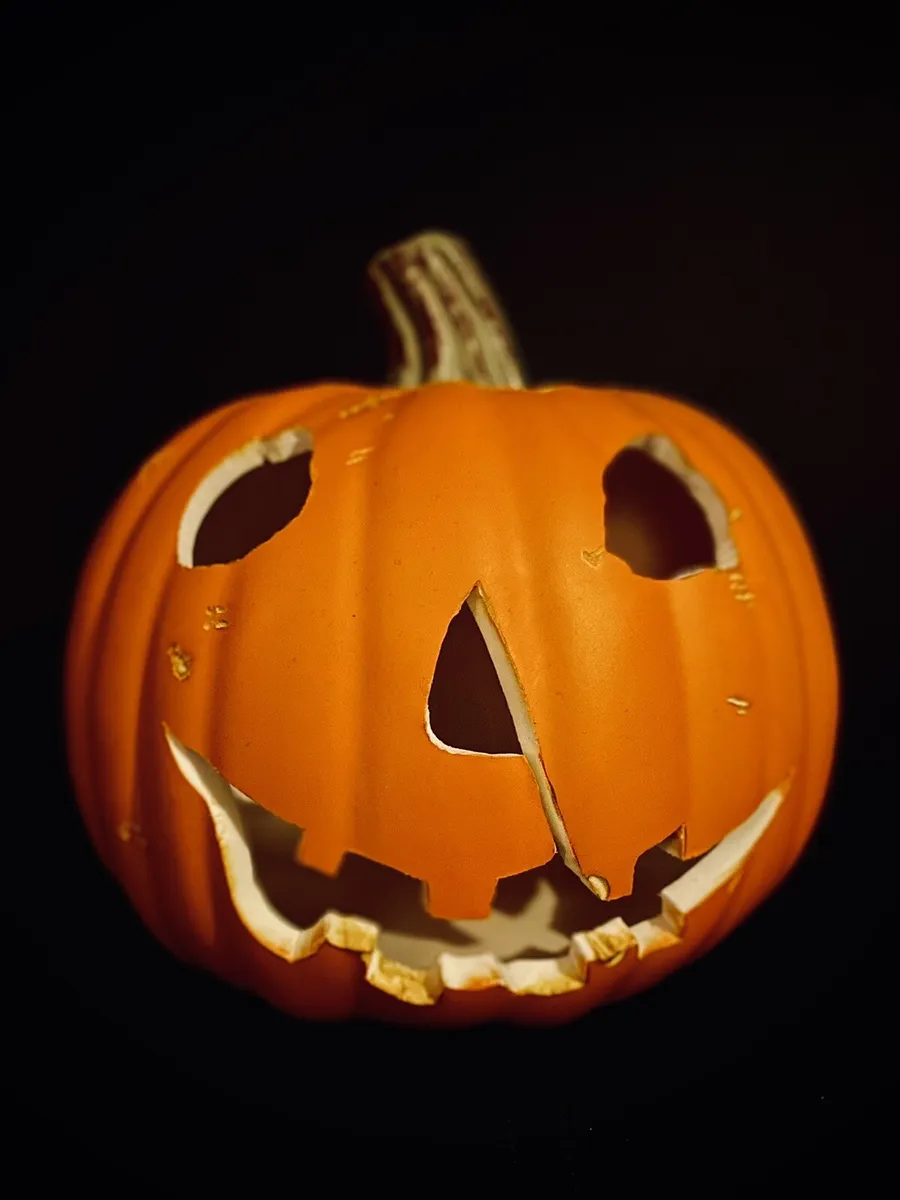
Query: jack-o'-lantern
451,699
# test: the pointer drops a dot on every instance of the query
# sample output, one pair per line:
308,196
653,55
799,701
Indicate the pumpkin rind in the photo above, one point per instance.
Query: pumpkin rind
312,699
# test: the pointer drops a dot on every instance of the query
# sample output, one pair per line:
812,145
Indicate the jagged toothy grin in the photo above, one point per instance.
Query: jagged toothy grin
544,929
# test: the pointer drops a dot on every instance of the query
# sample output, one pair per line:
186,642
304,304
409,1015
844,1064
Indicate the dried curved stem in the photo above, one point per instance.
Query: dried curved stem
447,322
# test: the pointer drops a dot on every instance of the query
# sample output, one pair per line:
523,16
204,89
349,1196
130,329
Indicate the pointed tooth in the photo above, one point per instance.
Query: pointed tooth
351,933
448,900
542,976
606,942
412,985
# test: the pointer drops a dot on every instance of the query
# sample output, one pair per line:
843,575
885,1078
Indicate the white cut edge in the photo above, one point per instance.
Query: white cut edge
527,735
607,943
667,454
436,741
254,908
277,449
712,872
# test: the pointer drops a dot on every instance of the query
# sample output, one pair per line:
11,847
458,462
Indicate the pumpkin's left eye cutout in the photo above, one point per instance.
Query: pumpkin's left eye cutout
246,500
663,517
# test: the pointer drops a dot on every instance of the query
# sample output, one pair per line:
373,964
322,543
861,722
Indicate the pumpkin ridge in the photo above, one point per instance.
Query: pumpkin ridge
784,570
94,636
675,418
767,500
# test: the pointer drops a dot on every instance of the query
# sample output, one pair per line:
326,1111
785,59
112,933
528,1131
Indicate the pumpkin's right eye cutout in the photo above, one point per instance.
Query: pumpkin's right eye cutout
246,500
663,518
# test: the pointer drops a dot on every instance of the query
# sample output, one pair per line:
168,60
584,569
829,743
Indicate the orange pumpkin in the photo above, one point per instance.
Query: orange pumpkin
446,701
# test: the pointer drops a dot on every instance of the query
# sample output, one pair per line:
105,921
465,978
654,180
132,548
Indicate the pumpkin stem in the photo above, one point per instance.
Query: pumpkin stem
446,321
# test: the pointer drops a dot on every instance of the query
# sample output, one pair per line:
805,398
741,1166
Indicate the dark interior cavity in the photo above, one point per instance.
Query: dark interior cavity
252,509
652,520
367,889
466,705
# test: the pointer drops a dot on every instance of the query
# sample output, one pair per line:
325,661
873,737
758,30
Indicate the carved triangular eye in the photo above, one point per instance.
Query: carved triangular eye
246,500
662,517
467,709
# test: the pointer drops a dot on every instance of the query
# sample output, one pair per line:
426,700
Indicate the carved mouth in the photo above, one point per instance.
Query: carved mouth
544,929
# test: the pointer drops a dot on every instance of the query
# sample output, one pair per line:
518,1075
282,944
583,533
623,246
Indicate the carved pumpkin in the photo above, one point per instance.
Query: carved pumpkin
450,701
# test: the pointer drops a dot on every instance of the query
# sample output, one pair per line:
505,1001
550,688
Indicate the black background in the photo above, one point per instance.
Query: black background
190,205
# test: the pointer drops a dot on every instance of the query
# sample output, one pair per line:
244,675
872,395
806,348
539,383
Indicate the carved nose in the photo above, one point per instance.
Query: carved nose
477,704
467,709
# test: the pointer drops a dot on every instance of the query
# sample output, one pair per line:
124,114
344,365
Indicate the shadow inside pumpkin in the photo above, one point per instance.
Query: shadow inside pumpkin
534,914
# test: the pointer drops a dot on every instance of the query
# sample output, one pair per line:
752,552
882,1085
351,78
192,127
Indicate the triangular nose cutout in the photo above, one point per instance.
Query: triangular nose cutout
467,709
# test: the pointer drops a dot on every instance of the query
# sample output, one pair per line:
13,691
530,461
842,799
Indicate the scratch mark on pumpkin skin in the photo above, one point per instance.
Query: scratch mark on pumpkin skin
358,456
180,661
593,557
740,705
215,617
737,581
129,832
370,402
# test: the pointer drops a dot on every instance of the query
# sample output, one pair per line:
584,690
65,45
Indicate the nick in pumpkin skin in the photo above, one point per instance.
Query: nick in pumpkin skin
664,670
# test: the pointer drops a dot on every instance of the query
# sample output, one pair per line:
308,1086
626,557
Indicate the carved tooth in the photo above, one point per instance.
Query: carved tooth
511,934
606,942
542,976
471,972
654,934
351,933
413,985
